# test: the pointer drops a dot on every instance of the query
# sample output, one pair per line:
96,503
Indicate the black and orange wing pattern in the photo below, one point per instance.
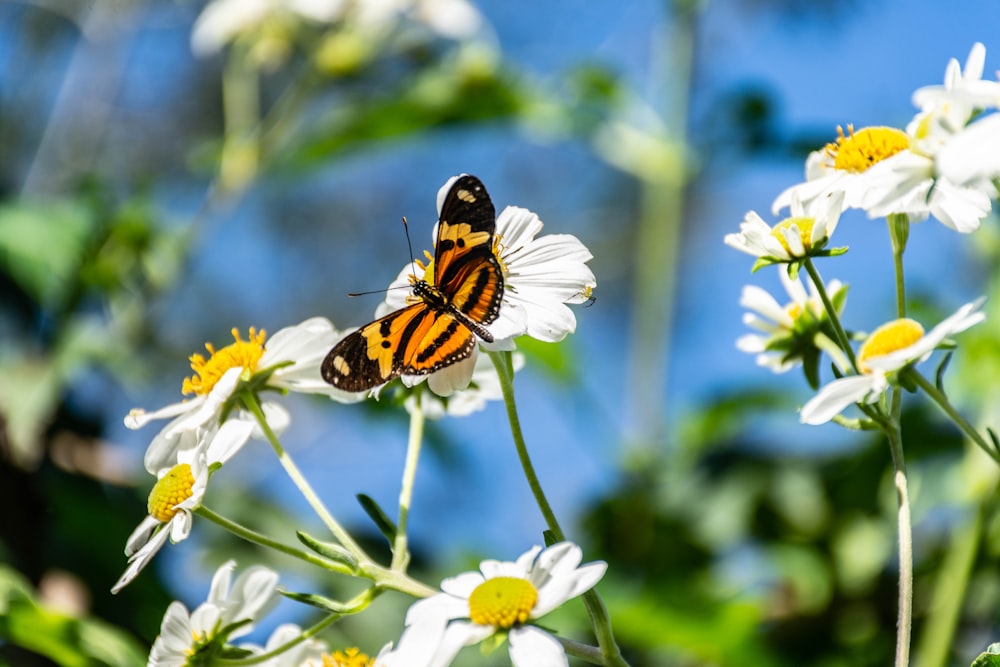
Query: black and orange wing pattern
441,326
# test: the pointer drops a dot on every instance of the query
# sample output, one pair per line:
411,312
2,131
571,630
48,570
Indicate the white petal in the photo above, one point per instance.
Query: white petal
443,607
450,379
137,417
209,409
973,154
140,536
837,395
531,647
229,439
141,558
443,191
463,584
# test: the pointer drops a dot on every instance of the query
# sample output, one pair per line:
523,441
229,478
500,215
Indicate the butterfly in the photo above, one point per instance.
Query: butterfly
440,324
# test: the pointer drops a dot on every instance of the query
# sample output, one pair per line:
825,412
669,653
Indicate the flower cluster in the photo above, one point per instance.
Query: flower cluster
541,275
942,164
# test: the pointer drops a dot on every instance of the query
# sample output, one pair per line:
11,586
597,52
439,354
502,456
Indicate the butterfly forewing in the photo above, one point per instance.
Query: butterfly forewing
465,231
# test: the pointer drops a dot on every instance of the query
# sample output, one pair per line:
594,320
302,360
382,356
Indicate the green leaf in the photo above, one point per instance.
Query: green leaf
989,658
334,552
385,525
939,375
320,602
42,246
64,639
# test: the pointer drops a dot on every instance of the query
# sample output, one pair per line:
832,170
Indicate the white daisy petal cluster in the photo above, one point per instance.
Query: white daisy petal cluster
941,165
292,357
541,275
181,454
888,349
225,21
230,611
501,598
804,233
179,489
787,332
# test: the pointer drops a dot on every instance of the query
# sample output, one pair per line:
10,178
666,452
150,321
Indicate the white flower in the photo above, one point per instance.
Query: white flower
889,348
229,612
503,597
223,21
788,333
963,93
296,351
909,182
802,235
178,491
972,157
842,167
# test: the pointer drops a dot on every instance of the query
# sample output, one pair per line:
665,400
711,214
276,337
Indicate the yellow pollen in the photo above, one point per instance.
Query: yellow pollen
241,354
794,310
170,491
889,337
859,150
805,227
502,602
348,658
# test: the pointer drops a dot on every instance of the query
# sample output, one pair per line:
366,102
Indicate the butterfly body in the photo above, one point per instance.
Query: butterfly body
439,324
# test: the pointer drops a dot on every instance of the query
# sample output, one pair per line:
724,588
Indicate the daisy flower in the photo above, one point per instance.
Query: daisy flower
541,275
910,183
502,598
273,21
179,489
972,157
229,612
804,234
289,361
788,334
963,94
842,166
888,349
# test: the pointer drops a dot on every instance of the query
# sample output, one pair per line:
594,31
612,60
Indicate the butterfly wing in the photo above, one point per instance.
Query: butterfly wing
441,329
414,340
465,269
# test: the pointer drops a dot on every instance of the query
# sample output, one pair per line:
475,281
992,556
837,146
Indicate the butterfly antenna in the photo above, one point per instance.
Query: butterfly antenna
409,246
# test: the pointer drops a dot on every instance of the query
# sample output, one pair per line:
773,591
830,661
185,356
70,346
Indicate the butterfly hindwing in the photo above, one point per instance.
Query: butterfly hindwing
439,326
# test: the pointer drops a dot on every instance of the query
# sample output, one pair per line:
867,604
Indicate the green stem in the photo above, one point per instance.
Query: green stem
357,603
905,616
251,403
952,583
598,612
938,397
258,538
831,312
400,550
899,232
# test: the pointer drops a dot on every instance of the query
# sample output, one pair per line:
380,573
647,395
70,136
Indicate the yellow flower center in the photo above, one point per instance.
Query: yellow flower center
170,491
241,354
889,337
859,150
803,224
349,658
502,602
